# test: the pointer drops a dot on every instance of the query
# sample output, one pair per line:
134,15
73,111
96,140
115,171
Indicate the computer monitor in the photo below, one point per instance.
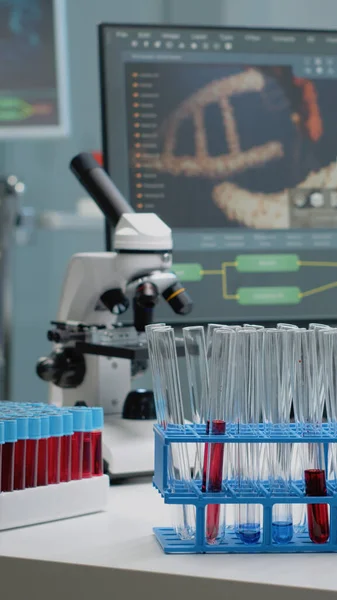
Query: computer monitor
230,135
33,82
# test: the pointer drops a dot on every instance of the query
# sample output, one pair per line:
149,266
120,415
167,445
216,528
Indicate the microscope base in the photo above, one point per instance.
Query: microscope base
128,447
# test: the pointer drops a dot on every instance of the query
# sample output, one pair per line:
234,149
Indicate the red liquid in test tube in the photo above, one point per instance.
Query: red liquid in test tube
2,441
87,445
77,443
318,515
66,444
32,450
42,463
97,456
96,436
8,456
20,453
54,448
214,457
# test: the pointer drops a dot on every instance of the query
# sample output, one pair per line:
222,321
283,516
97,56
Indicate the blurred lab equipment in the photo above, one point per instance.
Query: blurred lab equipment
98,288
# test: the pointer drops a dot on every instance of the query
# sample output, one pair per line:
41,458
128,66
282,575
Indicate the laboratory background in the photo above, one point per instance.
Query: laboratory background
54,228
168,296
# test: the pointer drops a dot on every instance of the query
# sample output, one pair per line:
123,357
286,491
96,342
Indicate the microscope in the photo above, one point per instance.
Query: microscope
94,356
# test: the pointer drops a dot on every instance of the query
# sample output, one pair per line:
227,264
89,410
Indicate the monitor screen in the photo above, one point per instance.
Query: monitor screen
230,136
33,95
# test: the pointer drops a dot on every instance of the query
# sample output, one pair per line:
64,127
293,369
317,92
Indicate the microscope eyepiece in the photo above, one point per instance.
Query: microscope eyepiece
100,187
179,300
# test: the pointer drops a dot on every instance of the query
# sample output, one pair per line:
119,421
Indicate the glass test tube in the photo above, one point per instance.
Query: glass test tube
158,397
20,453
166,363
299,511
87,445
32,449
220,398
307,410
77,443
42,461
2,441
65,461
54,448
97,454
248,527
197,375
8,455
328,342
276,410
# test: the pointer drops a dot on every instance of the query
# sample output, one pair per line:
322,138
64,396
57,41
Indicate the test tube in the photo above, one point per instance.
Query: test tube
328,341
197,374
20,453
42,461
276,410
77,443
2,441
168,382
54,448
97,456
307,410
248,527
87,445
68,431
158,397
218,413
32,449
8,455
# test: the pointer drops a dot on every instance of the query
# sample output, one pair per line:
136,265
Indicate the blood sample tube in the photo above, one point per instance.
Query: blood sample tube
8,455
42,462
68,431
77,443
32,450
20,453
54,447
2,441
96,436
87,445
318,516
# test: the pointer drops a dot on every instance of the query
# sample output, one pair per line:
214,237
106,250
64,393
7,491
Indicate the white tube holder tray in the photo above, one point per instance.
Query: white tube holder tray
53,502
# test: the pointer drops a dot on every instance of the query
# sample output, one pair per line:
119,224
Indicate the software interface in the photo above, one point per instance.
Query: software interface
230,136
28,81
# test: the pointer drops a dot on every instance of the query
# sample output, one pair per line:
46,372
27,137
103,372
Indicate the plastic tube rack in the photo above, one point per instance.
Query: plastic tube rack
189,492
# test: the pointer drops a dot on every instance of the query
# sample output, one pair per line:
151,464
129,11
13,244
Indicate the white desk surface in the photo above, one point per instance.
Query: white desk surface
116,551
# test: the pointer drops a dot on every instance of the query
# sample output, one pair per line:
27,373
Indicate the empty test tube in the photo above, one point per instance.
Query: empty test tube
158,397
97,454
165,363
197,372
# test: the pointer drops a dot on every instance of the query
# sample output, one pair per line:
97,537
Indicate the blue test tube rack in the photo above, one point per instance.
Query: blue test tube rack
189,492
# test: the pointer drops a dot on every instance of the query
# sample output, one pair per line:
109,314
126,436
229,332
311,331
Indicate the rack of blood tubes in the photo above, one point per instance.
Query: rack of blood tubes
51,463
251,467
